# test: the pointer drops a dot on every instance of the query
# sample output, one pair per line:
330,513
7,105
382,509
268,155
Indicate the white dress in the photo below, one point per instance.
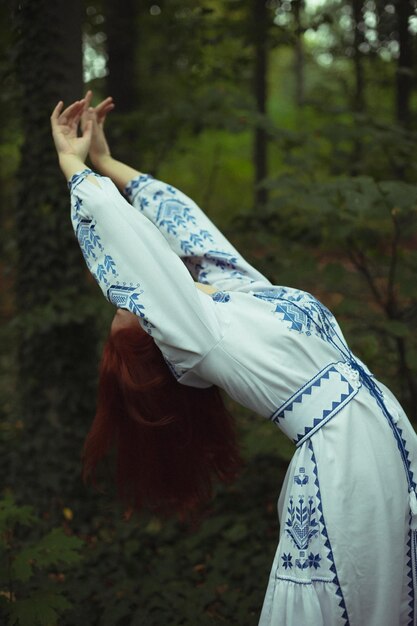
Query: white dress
347,509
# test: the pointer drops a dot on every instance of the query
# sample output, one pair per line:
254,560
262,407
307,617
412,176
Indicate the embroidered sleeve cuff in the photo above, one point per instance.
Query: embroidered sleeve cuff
135,185
78,178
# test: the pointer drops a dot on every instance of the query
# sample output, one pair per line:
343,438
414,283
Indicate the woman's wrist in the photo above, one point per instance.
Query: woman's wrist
70,164
120,173
101,163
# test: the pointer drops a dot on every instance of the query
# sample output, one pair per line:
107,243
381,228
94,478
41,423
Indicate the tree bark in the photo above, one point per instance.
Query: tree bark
122,42
404,77
260,146
358,100
56,354
359,89
121,30
298,6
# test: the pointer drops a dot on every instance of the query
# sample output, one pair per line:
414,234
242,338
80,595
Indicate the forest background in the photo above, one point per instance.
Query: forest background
293,124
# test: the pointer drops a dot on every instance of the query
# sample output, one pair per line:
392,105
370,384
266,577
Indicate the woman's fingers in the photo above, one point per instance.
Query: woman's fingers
69,112
88,129
86,108
66,120
87,99
72,112
104,103
103,108
70,117
65,129
104,113
92,117
76,114
56,112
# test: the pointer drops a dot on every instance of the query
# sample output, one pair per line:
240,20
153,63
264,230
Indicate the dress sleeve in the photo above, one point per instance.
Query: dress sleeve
137,270
205,251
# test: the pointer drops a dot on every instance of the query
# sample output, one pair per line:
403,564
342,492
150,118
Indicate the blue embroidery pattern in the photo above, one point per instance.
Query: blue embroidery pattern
205,234
220,296
126,297
287,558
187,247
301,524
176,217
137,184
411,554
221,259
412,541
301,478
325,395
325,535
78,178
87,238
303,312
173,213
314,560
368,381
203,269
77,205
91,247
203,277
311,560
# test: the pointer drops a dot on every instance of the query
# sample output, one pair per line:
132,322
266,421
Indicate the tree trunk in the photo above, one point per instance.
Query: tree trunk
404,10
56,355
122,35
358,95
121,30
260,147
358,100
298,6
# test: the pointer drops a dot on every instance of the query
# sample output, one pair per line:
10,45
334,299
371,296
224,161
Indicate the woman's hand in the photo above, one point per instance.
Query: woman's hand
65,130
100,154
99,148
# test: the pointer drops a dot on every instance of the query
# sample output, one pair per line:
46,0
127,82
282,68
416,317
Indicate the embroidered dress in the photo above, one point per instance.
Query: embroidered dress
347,509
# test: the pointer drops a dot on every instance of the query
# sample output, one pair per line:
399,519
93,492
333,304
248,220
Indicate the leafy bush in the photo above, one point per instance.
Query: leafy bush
32,571
353,242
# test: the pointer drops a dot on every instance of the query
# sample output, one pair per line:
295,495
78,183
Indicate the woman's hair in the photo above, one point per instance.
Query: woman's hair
171,440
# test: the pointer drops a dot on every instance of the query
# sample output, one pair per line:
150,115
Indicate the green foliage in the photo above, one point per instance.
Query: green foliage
194,76
52,549
156,571
31,570
11,514
43,608
359,255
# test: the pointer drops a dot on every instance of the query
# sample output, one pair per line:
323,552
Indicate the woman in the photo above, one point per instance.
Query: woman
347,549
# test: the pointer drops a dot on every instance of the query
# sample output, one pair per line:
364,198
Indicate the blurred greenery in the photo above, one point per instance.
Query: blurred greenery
339,220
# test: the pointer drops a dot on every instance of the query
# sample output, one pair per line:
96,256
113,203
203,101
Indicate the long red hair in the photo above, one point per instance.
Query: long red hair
171,440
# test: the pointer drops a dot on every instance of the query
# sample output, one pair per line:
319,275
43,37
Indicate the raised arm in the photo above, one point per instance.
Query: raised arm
99,151
130,259
136,270
208,255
